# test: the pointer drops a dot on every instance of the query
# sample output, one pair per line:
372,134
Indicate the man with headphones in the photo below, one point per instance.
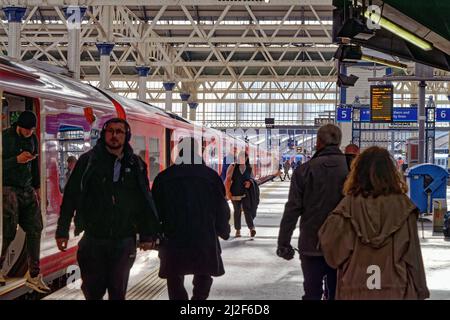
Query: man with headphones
108,192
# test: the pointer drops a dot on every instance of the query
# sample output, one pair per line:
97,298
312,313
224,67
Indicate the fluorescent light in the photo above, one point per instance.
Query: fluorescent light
385,62
402,33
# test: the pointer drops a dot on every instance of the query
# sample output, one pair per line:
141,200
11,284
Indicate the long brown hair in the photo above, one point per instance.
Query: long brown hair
373,173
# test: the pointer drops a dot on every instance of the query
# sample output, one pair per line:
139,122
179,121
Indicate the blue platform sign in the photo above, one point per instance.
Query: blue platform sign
364,115
405,115
344,114
400,114
443,114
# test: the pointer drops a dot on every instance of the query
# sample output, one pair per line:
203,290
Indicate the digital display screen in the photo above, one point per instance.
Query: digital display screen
381,103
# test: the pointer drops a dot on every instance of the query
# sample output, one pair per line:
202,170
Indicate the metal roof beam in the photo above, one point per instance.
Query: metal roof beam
167,2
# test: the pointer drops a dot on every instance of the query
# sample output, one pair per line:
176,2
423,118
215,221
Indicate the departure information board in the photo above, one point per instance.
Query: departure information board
381,103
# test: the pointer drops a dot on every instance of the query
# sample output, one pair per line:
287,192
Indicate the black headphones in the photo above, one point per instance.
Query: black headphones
117,120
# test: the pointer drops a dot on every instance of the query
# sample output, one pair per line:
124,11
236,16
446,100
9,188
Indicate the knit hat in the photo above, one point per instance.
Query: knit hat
27,120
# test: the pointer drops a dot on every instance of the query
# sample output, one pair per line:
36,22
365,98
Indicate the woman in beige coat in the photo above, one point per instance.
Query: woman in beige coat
371,236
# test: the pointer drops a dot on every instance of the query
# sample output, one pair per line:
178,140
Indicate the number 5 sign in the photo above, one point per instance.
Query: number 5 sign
443,114
344,114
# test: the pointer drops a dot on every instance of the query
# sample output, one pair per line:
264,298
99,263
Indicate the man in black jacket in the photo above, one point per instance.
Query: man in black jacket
316,189
190,198
21,188
109,190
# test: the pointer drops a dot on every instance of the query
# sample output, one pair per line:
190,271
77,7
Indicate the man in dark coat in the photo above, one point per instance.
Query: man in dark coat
21,189
190,199
316,189
109,191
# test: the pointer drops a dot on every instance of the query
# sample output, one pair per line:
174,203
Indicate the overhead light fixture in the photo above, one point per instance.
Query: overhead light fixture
385,62
399,31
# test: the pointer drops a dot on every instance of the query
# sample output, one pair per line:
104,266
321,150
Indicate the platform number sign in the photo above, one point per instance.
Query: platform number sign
443,114
344,114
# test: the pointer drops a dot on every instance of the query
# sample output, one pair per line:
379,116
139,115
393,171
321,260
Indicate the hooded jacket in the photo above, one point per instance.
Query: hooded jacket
374,244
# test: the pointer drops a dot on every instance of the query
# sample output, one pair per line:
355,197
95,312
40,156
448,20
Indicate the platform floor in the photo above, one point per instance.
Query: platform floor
253,271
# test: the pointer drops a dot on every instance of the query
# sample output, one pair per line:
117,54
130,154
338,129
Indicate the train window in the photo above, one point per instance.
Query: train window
138,144
70,144
154,158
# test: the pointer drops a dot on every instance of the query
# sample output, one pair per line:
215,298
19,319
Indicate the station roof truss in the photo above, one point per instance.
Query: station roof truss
201,40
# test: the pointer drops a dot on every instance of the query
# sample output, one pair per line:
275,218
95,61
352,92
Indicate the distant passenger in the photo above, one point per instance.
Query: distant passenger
351,152
21,195
287,167
279,173
154,168
109,191
400,163
372,233
316,189
237,181
190,198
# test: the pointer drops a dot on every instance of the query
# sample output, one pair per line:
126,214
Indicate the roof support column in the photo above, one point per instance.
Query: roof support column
14,16
184,107
106,46
143,72
193,111
421,142
168,86
74,15
105,49
422,71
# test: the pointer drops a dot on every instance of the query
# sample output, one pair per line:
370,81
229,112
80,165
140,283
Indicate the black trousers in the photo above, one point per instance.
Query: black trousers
105,265
177,291
237,206
21,207
316,274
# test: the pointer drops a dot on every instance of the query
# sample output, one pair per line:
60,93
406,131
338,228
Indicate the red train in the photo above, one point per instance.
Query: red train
70,116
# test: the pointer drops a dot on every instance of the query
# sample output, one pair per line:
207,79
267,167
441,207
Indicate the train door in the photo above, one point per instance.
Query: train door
1,171
168,147
12,106
148,142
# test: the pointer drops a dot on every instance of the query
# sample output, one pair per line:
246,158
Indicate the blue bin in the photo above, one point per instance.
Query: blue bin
424,179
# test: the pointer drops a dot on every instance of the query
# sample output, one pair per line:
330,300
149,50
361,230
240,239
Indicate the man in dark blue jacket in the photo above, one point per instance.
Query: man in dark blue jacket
21,188
109,191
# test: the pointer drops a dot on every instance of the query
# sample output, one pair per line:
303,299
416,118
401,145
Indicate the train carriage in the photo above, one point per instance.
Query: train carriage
70,117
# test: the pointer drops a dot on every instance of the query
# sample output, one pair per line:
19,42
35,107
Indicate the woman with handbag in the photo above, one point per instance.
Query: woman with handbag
236,183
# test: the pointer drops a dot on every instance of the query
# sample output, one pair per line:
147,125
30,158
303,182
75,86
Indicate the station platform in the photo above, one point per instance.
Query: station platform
252,269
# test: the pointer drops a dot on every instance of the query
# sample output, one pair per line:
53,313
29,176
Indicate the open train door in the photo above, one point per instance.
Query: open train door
15,264
1,170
